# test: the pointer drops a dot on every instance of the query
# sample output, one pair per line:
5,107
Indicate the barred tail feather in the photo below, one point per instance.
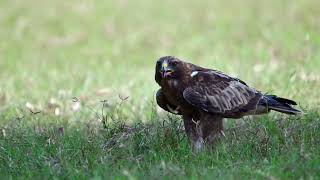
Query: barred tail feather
279,104
286,110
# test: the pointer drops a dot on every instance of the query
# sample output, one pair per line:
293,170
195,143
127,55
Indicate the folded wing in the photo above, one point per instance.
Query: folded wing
218,93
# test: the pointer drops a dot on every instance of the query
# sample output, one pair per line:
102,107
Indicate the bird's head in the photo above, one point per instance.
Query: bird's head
168,67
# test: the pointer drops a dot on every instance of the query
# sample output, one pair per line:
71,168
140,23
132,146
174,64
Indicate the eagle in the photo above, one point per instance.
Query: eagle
204,97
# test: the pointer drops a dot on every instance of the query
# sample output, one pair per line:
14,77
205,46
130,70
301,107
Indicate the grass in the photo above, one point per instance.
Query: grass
88,67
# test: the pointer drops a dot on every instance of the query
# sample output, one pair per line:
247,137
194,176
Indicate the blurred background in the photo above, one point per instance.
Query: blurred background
52,51
67,66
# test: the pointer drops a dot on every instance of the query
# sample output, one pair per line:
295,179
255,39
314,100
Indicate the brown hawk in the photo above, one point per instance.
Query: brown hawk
204,97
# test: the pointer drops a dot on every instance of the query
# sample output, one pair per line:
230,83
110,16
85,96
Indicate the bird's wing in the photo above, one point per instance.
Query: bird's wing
165,104
215,92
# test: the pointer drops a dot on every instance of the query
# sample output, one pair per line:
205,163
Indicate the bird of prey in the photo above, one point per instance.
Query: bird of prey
204,97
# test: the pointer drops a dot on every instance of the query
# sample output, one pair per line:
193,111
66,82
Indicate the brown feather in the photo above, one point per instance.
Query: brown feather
205,97
220,94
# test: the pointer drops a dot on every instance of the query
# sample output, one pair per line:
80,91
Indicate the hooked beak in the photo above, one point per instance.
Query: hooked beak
166,72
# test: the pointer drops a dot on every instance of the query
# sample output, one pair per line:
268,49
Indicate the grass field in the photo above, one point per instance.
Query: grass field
77,88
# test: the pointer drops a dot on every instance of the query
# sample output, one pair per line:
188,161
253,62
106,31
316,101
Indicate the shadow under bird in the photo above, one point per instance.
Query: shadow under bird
204,97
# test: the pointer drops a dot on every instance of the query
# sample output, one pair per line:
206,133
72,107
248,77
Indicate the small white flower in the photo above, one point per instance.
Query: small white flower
30,106
57,111
76,106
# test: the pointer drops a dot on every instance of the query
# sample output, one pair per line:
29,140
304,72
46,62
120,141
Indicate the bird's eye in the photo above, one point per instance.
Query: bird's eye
174,63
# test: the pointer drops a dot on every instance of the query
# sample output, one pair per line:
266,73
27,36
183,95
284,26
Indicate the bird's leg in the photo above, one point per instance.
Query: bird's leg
193,130
212,130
